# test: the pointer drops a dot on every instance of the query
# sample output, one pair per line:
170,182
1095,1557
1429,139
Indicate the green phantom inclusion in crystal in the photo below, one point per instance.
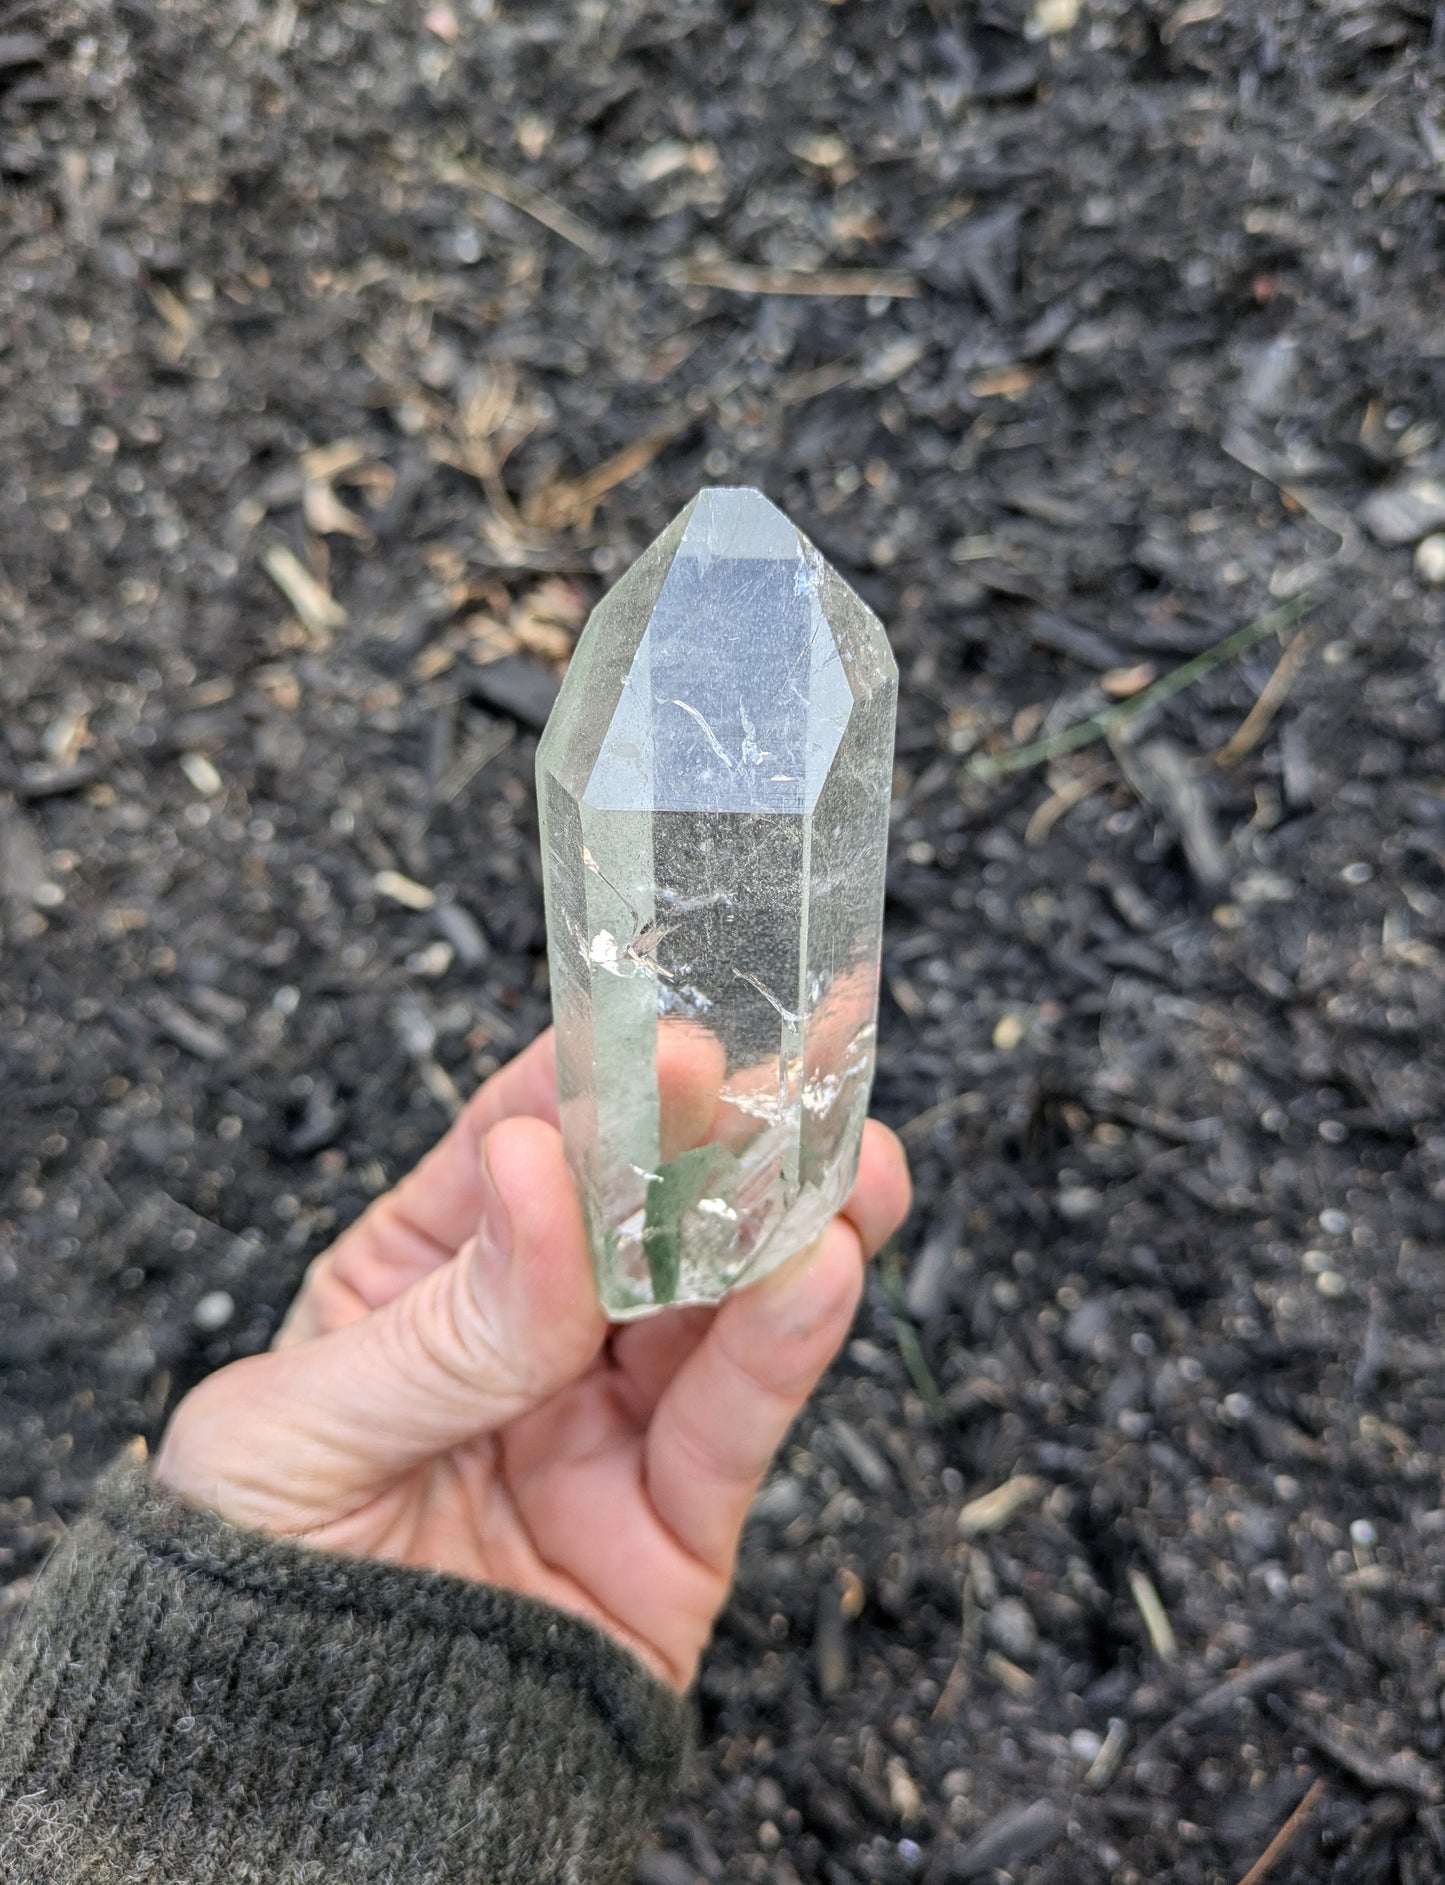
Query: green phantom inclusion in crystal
713,787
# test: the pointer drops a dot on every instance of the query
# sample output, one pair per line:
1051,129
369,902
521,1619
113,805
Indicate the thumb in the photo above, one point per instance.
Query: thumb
509,1321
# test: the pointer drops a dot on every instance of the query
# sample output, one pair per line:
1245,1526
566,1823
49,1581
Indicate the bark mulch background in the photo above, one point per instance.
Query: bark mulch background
1079,339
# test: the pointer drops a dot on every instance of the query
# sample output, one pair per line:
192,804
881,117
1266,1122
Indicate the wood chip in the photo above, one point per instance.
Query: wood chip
1192,13
832,1662
202,774
47,782
518,686
280,687
1009,1839
521,196
1105,1763
992,1511
906,995
1165,777
1124,683
488,639
443,1089
122,919
433,661
328,516
1430,560
1052,17
1405,512
1002,383
665,159
18,49
1008,1675
741,278
206,1043
317,608
1009,1031
549,618
22,863
180,322
864,1458
903,1794
323,463
824,150
851,1595
404,890
1156,1619
1065,636
68,735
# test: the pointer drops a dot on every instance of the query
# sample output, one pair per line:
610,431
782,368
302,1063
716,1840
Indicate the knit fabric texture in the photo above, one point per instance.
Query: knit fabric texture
186,1703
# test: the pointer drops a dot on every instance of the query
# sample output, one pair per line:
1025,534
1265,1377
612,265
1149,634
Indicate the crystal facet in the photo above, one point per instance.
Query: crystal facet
713,787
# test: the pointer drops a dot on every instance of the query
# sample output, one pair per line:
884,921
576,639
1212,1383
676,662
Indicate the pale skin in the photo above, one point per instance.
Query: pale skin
445,1392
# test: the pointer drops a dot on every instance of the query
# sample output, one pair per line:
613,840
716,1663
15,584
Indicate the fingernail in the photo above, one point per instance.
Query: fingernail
496,1225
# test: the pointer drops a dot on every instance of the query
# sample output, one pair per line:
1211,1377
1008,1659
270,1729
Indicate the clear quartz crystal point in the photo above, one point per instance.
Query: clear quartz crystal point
713,787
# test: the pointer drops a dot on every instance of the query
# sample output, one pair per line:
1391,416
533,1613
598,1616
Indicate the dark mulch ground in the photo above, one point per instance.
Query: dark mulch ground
1165,1032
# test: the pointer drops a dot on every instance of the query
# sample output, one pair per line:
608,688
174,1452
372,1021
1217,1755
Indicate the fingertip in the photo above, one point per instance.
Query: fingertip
523,1155
882,1194
795,1319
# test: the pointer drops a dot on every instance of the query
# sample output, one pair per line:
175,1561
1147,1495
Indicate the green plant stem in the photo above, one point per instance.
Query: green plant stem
1101,725
906,1336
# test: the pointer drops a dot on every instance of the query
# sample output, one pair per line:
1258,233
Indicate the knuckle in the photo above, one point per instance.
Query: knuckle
444,1332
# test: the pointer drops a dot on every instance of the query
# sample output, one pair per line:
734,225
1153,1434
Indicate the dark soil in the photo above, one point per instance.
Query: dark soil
1169,1064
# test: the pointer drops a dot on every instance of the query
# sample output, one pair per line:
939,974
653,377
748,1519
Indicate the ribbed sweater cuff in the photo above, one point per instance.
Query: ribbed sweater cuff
186,1703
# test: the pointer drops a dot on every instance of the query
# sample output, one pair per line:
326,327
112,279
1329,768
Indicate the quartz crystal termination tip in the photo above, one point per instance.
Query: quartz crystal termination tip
713,789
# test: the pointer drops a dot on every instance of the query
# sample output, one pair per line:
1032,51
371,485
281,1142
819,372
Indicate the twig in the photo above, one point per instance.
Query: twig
1067,796
537,204
570,503
1284,1838
920,1123
318,609
1039,752
1156,1617
824,379
961,1674
1244,1682
1192,13
1271,698
455,780
742,278
906,1336
1388,1773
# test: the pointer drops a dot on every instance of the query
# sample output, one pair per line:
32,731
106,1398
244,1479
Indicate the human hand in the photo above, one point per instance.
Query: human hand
446,1393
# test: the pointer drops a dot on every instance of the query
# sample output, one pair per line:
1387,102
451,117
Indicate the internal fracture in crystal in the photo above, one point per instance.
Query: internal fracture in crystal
713,786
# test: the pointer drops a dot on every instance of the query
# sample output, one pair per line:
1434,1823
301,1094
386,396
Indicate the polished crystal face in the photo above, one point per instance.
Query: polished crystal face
713,787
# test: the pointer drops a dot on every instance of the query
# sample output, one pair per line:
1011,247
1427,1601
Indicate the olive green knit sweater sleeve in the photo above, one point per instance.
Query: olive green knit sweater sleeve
185,1703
